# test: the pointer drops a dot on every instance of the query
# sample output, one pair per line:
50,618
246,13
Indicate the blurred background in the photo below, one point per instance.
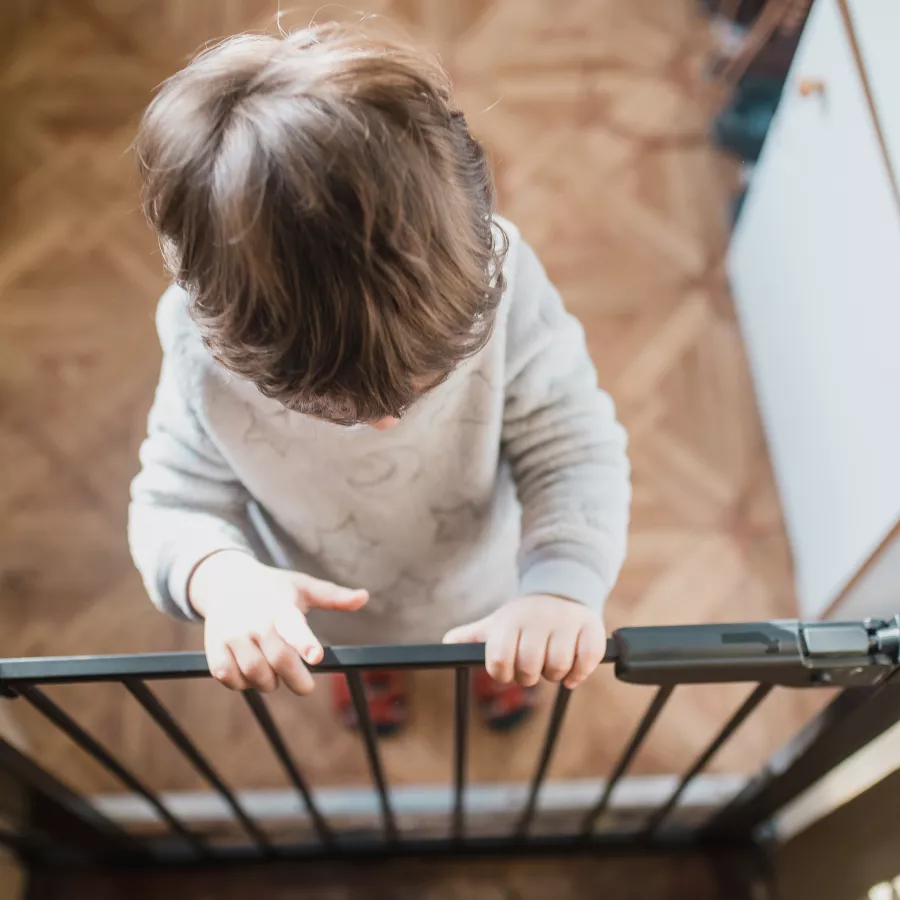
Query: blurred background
624,136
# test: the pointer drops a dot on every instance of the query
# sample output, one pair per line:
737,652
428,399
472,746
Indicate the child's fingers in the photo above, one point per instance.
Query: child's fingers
292,626
473,633
223,667
325,595
531,655
589,653
286,662
500,653
560,653
253,665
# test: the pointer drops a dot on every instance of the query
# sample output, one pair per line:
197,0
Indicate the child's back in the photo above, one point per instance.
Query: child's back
329,220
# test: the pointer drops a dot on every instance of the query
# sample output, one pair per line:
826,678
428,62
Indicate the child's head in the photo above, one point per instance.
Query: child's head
324,205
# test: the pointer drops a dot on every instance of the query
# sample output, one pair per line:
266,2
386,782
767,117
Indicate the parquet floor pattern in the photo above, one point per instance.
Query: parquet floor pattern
595,114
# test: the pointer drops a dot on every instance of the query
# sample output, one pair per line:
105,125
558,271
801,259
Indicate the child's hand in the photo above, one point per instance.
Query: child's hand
538,635
256,628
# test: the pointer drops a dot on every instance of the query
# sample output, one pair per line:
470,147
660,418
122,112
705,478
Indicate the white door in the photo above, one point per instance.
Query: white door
815,271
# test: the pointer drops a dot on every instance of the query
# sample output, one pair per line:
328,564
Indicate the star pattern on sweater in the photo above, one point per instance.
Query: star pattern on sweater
456,523
383,467
409,595
591,515
192,363
259,431
345,547
549,314
470,404
282,416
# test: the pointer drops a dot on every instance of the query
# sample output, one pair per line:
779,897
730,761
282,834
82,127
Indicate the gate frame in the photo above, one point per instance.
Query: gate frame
53,826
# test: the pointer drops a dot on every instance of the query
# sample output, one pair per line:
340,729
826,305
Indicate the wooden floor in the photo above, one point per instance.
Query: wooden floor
595,113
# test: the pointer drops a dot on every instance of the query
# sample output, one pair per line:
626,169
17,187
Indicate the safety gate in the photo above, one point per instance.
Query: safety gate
48,824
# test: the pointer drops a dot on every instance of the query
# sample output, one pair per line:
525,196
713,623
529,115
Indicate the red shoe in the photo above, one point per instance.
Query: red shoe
504,706
386,695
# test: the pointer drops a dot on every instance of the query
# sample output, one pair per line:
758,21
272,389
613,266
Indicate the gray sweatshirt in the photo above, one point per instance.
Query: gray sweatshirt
510,478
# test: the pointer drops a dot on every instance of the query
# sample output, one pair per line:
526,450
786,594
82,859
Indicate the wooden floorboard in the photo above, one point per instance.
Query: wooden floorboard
595,113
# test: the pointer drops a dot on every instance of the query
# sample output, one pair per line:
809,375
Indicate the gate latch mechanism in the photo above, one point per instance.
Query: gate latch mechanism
790,653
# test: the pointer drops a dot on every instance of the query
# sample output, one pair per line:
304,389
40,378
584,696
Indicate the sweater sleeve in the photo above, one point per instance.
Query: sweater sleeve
185,502
565,447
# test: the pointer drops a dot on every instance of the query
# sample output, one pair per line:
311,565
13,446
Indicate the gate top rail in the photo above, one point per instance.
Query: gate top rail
789,653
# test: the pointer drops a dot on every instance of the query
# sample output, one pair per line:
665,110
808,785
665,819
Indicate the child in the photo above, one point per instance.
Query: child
375,421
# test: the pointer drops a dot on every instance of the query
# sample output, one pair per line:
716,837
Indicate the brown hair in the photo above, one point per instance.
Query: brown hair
330,215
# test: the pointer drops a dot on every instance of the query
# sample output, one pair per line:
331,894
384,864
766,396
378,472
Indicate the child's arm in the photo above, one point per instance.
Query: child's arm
191,539
186,503
568,457
566,449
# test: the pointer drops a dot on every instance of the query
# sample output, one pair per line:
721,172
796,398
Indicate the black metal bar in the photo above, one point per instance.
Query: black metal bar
786,652
370,742
164,720
356,848
34,801
153,666
90,745
460,746
760,692
563,695
92,669
653,710
28,846
853,719
262,715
